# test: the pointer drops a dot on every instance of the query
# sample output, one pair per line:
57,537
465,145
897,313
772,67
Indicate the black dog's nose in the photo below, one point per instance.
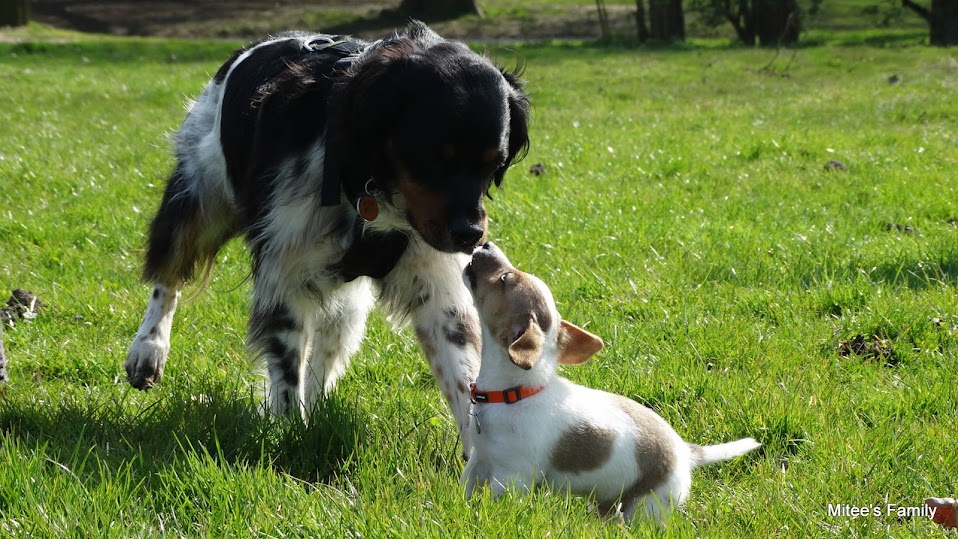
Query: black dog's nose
466,235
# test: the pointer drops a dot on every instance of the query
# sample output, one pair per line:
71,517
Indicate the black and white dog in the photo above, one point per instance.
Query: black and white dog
355,171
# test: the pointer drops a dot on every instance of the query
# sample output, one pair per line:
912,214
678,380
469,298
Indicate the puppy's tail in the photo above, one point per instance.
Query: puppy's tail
711,454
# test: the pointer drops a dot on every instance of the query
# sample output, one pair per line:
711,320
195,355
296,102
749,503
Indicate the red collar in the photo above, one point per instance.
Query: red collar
508,396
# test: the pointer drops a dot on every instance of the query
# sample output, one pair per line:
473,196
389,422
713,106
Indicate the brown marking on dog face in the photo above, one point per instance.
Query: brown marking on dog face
430,210
514,305
490,156
526,349
427,210
483,222
654,449
448,152
521,316
581,448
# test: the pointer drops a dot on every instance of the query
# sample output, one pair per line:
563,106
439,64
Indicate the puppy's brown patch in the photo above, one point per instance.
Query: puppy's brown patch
582,448
654,450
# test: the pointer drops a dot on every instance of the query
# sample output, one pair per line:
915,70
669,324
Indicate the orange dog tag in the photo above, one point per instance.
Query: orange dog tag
367,207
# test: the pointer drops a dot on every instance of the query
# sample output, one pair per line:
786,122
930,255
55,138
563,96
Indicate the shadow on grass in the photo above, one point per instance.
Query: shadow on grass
125,50
914,271
916,274
151,435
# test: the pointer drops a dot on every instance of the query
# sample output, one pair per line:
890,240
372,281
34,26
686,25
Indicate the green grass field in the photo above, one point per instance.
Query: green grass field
686,215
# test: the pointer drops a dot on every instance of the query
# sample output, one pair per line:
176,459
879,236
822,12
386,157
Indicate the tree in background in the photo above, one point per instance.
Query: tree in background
603,19
776,21
666,20
438,9
942,18
756,22
643,29
14,12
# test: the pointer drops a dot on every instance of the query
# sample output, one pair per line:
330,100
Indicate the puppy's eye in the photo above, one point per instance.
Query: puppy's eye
507,277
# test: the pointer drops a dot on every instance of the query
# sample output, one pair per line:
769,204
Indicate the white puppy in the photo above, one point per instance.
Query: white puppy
534,427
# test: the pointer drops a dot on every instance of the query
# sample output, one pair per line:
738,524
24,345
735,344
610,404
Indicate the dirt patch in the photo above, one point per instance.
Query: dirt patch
906,229
255,18
835,165
22,305
869,349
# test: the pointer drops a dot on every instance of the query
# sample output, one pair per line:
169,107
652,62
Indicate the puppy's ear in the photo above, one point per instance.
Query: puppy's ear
526,348
518,122
576,345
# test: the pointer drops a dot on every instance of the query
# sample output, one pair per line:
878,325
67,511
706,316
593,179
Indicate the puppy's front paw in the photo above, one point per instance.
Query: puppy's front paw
145,361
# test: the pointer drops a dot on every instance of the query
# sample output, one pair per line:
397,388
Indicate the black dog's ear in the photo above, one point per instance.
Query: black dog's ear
519,109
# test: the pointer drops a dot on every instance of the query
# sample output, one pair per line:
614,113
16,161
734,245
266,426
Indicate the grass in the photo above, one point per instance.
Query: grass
686,215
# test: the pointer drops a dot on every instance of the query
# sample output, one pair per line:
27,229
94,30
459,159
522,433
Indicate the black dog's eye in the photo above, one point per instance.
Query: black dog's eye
507,277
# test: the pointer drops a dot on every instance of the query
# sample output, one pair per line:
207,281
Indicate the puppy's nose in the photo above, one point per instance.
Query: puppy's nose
466,235
488,258
486,250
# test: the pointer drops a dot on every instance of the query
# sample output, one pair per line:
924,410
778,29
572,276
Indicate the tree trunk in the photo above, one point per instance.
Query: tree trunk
603,19
944,28
438,9
776,21
666,20
643,28
14,12
942,20
742,20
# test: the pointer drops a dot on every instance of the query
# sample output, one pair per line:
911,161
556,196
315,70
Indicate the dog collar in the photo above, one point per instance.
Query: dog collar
507,396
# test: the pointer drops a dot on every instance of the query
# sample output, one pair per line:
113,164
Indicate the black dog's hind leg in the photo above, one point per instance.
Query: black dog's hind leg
188,230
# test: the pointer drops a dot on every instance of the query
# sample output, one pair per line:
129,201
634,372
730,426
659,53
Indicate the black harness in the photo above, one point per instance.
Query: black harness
370,254
342,53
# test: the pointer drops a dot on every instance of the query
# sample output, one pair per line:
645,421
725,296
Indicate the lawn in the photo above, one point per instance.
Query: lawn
766,242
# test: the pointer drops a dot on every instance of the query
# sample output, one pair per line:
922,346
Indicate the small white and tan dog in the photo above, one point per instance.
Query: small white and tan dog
534,427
